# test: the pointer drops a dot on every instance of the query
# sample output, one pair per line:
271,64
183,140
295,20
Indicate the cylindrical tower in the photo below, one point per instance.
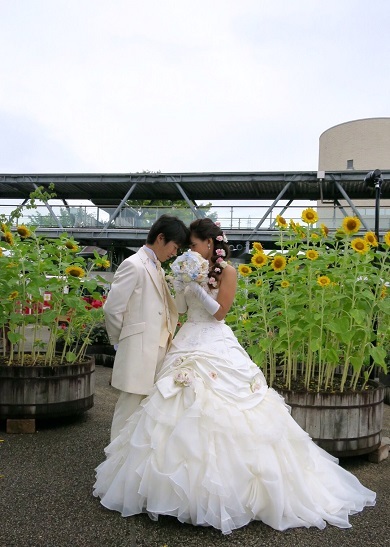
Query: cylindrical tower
359,144
362,145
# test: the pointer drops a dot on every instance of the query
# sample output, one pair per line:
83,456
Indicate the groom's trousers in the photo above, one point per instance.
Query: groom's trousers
128,402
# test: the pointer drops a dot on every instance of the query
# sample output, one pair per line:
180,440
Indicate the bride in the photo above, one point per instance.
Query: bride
212,445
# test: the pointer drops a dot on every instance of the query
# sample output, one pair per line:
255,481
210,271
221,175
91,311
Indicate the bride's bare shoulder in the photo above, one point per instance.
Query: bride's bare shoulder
230,271
229,275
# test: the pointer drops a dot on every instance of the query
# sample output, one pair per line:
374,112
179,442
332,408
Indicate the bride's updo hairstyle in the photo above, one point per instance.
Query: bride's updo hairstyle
205,228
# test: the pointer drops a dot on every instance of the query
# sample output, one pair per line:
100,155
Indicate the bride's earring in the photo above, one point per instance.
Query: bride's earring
209,246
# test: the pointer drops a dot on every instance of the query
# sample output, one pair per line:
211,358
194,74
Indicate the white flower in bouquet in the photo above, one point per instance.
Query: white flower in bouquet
190,266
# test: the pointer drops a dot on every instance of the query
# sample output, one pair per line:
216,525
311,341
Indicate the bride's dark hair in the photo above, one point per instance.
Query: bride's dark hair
205,228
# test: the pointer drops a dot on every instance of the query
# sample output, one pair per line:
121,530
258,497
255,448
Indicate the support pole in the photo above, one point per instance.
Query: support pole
117,210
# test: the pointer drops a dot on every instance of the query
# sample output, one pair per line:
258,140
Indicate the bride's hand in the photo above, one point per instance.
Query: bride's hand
208,301
178,285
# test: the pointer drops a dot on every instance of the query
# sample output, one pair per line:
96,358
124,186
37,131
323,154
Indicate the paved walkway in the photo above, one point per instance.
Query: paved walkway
46,500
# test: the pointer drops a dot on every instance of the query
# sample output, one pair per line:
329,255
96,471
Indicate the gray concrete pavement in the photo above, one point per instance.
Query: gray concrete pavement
46,495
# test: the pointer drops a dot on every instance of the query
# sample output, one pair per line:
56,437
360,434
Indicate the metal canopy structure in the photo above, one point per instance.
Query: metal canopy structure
111,192
111,189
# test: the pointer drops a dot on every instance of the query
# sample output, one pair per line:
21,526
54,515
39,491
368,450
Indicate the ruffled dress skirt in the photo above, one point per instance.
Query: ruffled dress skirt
212,445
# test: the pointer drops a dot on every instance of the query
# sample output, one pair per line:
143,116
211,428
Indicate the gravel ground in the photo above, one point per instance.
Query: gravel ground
46,495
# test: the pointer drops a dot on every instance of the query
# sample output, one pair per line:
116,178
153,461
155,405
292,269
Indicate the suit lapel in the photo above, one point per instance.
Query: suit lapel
151,269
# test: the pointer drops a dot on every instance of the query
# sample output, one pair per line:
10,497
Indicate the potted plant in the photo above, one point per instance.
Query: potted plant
315,316
43,287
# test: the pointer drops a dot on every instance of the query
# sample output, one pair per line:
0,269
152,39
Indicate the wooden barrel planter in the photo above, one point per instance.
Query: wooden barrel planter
385,381
343,424
36,392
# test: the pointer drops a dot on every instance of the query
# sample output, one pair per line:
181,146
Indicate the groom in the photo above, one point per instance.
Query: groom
141,316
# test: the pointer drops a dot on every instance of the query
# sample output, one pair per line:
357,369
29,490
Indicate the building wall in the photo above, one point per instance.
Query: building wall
362,145
358,144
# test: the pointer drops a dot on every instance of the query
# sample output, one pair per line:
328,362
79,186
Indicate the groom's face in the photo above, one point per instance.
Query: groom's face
164,251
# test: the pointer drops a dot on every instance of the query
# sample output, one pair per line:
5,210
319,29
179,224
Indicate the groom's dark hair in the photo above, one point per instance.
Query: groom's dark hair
172,228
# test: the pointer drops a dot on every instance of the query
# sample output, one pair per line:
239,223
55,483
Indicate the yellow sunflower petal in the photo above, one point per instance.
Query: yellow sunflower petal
311,254
259,260
23,231
281,221
279,263
360,245
9,238
371,239
75,271
309,216
323,280
257,246
351,225
244,269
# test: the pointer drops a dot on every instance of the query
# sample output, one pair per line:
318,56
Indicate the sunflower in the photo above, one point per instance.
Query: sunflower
314,236
71,246
298,229
257,246
259,282
383,291
324,230
244,269
309,216
360,245
102,263
1,251
23,231
311,254
279,263
284,284
281,221
4,227
13,295
386,238
351,225
259,260
9,238
371,239
75,271
323,280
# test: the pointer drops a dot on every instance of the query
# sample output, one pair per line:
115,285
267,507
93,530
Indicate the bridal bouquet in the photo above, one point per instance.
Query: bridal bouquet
190,266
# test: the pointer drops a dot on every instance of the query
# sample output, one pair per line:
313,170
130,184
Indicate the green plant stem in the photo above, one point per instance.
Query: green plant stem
321,370
289,350
309,362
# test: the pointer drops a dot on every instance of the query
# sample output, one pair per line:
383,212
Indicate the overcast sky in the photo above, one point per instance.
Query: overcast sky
185,85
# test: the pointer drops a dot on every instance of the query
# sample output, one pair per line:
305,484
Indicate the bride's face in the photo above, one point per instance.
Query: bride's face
203,247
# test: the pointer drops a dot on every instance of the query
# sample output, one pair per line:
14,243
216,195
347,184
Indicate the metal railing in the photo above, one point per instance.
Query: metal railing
237,217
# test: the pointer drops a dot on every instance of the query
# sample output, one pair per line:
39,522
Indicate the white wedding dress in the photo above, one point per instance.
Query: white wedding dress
212,445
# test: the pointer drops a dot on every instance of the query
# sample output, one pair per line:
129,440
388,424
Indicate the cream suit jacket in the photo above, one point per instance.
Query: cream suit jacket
134,311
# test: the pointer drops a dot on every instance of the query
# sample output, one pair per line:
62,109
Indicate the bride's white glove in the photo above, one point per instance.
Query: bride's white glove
208,301
180,300
178,285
